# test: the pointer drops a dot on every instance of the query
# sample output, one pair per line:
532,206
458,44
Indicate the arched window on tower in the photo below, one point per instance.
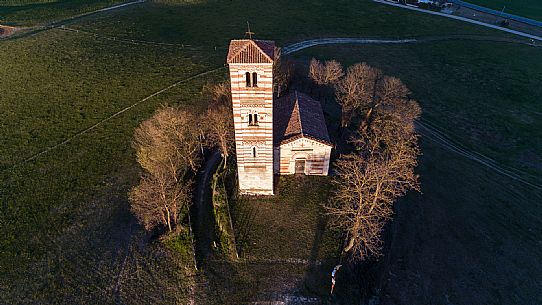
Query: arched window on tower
255,119
253,152
247,76
254,79
250,121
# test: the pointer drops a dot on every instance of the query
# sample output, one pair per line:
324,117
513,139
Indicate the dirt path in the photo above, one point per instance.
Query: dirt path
305,44
298,46
202,210
439,137
6,31
425,128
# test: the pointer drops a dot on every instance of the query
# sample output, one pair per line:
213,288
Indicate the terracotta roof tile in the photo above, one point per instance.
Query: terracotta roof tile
297,115
251,51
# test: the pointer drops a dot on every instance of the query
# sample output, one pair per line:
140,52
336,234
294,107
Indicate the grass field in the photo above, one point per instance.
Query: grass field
469,220
72,204
66,226
487,99
525,8
29,13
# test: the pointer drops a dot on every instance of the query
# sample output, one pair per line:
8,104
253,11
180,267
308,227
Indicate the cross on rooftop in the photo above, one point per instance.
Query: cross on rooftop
248,32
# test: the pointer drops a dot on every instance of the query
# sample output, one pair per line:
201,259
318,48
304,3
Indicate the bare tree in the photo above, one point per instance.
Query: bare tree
219,93
390,98
356,90
369,181
158,200
328,73
282,72
366,189
167,148
316,72
219,129
333,71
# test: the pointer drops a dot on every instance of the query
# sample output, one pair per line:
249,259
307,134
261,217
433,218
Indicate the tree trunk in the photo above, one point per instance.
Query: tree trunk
365,123
225,157
168,220
349,245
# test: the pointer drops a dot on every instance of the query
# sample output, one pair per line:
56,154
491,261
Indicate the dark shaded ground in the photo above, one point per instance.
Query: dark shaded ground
472,237
202,210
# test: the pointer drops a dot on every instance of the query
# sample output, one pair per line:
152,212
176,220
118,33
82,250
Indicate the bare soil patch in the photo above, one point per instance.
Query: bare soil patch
6,31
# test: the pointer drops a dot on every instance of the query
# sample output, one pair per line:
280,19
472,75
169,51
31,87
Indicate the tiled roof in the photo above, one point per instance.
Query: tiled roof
296,115
251,51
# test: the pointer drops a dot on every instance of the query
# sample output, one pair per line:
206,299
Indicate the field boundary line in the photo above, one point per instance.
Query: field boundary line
34,30
69,139
128,40
440,138
58,23
431,132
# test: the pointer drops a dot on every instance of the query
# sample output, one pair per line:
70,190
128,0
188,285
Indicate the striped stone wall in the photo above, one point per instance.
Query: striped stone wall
255,171
316,155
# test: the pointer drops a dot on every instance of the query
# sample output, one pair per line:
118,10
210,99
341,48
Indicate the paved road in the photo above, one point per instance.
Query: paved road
462,19
497,13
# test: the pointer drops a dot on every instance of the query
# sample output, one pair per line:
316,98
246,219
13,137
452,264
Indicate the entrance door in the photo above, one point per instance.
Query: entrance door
300,166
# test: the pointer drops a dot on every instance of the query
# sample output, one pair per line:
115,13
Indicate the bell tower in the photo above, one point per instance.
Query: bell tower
251,76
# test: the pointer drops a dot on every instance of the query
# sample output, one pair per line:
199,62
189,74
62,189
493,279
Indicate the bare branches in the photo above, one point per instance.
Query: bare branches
366,189
159,200
356,90
369,181
220,93
327,73
282,72
219,129
167,148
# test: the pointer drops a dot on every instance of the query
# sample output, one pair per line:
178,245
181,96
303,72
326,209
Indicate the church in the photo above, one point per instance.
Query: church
282,136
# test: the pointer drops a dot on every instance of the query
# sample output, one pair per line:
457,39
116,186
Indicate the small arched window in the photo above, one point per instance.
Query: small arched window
254,79
250,121
253,152
255,119
247,76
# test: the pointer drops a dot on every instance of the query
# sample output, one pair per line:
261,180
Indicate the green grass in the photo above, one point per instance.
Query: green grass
298,226
471,237
29,13
285,244
181,243
65,214
525,8
221,207
486,98
80,189
213,23
469,219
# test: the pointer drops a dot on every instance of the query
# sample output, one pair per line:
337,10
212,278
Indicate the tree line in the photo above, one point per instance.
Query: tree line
380,167
169,148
